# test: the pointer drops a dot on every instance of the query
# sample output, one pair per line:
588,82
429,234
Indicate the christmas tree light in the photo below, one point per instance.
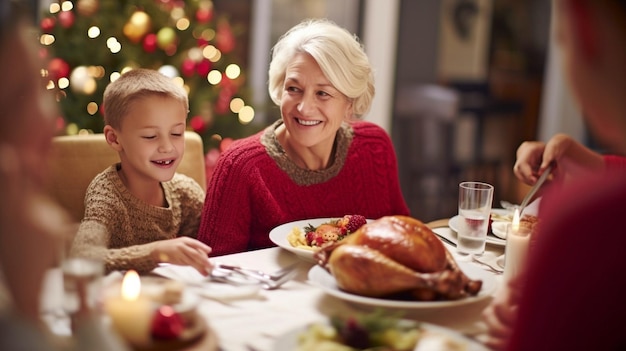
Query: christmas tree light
89,43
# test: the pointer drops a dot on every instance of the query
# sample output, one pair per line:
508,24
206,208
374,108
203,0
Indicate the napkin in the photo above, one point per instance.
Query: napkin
495,262
203,287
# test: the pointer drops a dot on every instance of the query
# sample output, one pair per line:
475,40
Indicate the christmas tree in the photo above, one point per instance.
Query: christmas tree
88,43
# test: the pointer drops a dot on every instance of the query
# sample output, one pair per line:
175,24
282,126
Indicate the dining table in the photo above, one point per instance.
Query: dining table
247,318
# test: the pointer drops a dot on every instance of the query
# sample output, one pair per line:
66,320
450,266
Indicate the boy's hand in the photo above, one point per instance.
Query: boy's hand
184,251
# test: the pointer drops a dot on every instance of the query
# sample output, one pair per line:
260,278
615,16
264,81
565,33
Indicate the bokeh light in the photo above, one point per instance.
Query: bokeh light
232,71
214,77
236,104
93,32
246,114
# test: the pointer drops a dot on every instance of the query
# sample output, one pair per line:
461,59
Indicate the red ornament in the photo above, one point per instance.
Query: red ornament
60,124
43,53
188,67
66,19
204,15
58,68
167,324
202,42
47,24
203,67
150,43
224,38
225,144
198,124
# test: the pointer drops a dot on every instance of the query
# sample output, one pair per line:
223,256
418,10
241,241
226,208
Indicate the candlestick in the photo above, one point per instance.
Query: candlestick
516,251
131,313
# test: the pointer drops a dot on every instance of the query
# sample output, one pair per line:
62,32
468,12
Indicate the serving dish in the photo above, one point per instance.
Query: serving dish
323,279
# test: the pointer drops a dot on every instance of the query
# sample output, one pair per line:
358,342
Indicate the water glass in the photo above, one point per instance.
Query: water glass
475,200
82,284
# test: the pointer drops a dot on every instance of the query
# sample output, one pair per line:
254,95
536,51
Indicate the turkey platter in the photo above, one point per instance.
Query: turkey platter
396,257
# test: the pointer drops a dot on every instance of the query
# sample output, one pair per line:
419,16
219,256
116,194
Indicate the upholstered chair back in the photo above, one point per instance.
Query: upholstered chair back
77,159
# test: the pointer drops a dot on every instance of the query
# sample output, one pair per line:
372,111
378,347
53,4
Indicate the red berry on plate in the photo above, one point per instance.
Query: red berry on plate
355,222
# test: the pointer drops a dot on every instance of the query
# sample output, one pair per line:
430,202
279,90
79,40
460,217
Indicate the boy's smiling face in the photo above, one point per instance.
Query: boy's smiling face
151,139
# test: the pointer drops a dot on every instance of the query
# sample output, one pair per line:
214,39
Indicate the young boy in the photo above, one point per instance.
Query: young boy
139,212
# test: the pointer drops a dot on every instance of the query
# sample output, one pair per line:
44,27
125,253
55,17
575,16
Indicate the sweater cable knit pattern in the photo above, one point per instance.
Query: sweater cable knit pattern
254,188
122,228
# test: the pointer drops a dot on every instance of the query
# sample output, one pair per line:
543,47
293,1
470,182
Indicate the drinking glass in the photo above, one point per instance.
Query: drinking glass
475,200
82,284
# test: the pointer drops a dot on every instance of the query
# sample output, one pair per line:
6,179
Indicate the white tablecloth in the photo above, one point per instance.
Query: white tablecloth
258,319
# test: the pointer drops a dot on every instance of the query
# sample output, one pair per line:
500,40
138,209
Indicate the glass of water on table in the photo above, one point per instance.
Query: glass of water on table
475,200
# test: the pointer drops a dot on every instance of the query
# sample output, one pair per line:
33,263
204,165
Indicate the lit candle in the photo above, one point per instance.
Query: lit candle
517,240
131,313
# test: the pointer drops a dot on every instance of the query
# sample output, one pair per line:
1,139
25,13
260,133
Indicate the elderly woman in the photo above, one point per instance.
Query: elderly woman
318,160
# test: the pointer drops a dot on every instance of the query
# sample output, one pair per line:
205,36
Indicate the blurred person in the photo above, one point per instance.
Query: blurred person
32,227
318,160
570,158
140,209
571,294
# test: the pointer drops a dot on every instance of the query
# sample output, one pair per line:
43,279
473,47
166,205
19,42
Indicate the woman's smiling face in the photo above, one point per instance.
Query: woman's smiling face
311,108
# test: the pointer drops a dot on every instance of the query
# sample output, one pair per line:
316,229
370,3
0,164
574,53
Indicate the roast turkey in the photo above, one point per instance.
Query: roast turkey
396,256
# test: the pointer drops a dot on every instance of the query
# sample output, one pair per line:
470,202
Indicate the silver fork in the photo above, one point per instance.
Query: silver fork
269,281
494,267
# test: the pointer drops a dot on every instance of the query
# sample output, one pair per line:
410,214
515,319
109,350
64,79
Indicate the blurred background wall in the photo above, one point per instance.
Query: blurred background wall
460,83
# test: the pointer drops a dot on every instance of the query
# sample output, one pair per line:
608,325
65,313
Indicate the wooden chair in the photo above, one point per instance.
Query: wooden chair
77,159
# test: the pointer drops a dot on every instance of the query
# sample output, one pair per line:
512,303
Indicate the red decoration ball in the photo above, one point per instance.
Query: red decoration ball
167,324
203,67
150,43
224,37
198,124
188,67
43,53
60,124
47,24
225,144
204,15
66,19
58,68
202,42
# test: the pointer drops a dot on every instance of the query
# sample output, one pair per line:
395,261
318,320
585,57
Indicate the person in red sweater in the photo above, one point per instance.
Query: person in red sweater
317,161
571,294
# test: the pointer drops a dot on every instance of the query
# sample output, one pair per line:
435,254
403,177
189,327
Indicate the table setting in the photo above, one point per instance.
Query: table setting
266,299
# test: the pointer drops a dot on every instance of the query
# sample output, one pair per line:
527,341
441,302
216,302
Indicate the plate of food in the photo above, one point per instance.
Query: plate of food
321,277
295,237
497,215
386,333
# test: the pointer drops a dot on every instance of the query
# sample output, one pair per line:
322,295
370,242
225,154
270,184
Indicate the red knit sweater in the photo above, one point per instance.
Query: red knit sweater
249,193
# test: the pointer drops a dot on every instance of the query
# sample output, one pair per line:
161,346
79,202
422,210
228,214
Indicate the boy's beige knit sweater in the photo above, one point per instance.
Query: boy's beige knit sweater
122,229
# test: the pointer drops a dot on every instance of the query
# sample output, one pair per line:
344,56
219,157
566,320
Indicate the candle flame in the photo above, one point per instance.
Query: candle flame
131,286
516,220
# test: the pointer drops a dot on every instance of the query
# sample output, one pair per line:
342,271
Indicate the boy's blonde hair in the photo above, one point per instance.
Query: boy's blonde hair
134,85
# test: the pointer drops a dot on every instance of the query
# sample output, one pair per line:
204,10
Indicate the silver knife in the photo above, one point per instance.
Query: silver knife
534,189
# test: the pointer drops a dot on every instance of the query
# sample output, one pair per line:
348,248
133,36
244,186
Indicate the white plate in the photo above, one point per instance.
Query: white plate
279,235
289,340
453,223
322,278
